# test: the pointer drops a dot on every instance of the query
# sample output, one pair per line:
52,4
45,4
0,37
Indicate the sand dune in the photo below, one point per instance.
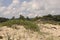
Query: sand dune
49,32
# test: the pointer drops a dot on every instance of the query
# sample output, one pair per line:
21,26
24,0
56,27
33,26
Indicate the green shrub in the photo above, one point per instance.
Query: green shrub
27,24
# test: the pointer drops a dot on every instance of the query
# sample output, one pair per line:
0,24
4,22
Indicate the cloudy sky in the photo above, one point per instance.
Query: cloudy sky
31,8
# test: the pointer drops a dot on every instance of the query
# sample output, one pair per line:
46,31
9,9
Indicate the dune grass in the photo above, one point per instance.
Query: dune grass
27,24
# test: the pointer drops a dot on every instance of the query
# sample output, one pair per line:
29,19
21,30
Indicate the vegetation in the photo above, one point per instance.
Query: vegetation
13,18
48,17
22,17
3,19
29,23
51,19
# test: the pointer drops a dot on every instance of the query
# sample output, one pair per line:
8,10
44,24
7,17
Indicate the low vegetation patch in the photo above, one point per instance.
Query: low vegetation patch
27,24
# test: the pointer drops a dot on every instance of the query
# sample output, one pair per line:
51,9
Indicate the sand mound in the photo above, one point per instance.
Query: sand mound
20,33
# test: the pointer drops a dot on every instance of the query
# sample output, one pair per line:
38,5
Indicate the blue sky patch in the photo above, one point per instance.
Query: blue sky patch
6,2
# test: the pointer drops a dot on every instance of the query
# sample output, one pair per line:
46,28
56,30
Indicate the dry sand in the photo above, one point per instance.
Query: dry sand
48,32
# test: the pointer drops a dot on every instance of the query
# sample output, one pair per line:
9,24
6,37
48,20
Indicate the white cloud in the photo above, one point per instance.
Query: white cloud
15,1
32,8
2,8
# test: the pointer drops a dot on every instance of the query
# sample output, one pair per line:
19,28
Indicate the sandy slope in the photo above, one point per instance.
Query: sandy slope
48,32
18,34
52,32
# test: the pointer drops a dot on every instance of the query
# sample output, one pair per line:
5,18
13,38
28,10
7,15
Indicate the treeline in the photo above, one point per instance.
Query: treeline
51,17
45,18
21,17
3,19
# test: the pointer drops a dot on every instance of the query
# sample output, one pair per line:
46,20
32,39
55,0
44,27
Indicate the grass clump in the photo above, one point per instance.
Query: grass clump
27,24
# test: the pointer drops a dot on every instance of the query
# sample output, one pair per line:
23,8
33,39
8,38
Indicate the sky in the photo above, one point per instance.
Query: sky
31,8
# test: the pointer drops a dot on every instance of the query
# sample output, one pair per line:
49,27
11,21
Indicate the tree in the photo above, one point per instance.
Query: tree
36,18
22,17
3,19
27,18
56,17
13,17
48,17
